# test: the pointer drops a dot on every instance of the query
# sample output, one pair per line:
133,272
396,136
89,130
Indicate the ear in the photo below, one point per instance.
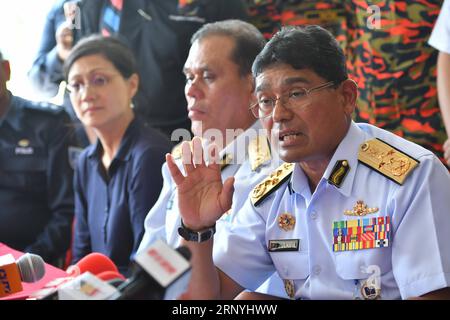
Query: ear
133,82
6,69
349,90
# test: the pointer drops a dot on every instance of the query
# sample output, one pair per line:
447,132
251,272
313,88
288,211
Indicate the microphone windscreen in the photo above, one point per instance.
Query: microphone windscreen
31,267
94,263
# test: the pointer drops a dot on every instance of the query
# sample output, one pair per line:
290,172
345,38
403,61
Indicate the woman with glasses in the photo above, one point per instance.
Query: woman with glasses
117,179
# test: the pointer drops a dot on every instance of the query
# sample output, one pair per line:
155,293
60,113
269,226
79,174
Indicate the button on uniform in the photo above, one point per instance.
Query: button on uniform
317,270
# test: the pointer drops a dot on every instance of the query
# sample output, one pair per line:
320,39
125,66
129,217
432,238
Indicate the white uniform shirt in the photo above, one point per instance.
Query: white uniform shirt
163,220
440,36
416,261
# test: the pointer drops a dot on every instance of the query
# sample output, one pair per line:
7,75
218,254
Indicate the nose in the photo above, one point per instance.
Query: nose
192,90
280,112
87,92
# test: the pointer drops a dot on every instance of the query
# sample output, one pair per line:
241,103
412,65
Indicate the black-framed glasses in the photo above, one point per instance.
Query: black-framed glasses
294,99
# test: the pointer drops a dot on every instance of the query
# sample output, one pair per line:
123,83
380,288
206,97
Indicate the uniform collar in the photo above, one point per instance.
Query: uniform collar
123,153
14,112
347,150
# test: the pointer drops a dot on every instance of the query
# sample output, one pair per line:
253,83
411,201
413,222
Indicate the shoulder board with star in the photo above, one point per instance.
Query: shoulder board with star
387,160
259,152
271,183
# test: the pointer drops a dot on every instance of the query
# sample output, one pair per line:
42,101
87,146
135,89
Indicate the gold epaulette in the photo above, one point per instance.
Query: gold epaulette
259,152
271,183
387,160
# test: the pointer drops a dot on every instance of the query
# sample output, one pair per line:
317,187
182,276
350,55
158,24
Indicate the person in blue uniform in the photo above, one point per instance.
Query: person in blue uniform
118,178
36,194
356,212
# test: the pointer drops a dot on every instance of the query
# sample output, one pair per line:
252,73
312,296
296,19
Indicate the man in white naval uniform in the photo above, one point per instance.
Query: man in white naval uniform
356,212
219,91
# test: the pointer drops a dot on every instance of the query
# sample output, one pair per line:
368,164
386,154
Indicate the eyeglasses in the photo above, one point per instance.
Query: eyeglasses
294,99
95,81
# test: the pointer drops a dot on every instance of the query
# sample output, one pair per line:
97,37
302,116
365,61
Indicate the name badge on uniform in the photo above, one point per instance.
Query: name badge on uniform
23,147
284,245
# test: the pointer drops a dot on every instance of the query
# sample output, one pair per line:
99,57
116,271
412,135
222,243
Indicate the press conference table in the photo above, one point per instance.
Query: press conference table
51,273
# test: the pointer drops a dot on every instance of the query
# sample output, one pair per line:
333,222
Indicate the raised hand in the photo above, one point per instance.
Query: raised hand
64,40
202,197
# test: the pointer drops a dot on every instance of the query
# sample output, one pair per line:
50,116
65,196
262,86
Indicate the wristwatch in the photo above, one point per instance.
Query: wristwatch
196,236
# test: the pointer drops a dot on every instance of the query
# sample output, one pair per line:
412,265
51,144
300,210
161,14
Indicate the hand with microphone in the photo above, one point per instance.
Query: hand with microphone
28,268
159,272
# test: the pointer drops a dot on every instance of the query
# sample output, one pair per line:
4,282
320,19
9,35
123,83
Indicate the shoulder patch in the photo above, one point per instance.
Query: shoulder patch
45,107
259,152
271,183
339,172
387,160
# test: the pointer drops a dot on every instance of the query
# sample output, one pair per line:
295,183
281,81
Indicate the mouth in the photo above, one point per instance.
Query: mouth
195,113
91,109
288,136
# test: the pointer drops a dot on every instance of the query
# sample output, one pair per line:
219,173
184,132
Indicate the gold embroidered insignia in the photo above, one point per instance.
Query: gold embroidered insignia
360,209
387,160
271,183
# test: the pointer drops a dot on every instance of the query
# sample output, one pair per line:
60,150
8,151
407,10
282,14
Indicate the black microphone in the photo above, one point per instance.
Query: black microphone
158,273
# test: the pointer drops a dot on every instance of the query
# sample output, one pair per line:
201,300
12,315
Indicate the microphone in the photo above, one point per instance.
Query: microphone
28,268
94,262
159,272
113,278
86,287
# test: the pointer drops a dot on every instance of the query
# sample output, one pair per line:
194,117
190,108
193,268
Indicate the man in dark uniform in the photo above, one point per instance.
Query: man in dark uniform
36,194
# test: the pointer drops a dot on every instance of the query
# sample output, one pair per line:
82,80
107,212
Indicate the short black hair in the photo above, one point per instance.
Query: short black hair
248,40
307,47
112,48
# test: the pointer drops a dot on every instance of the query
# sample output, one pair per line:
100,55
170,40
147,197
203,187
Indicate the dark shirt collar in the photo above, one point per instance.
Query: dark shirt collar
13,112
123,153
